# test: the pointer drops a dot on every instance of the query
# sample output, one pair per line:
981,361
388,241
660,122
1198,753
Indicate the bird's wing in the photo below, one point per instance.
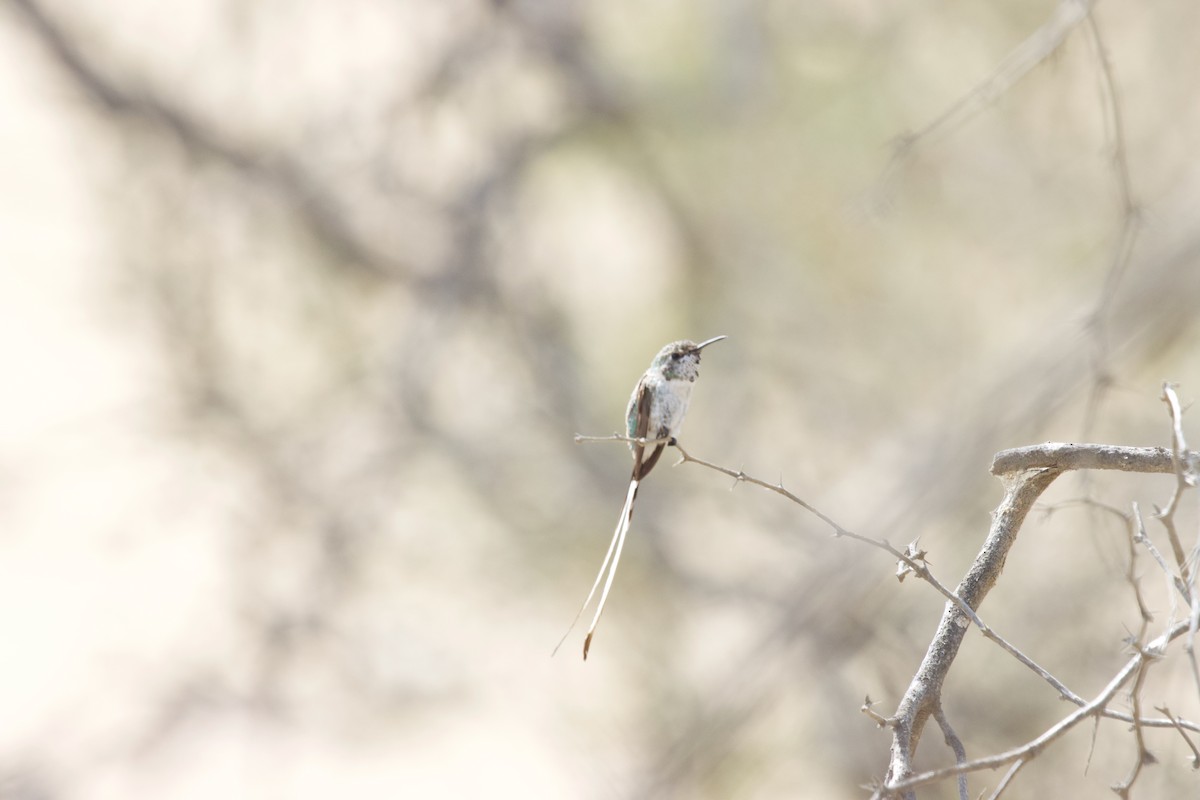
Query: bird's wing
648,464
642,426
642,464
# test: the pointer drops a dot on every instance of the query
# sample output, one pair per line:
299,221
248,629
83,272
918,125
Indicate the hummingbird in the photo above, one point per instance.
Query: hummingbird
652,420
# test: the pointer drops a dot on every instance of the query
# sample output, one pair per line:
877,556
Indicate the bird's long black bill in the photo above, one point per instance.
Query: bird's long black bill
707,342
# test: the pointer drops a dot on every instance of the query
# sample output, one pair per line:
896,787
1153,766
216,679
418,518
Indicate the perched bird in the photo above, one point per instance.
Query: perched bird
656,410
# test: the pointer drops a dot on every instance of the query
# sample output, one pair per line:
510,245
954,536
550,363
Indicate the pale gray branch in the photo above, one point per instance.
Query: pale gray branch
1065,457
1028,471
1036,745
955,744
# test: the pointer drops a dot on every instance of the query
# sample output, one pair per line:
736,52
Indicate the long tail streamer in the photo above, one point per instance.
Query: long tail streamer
613,556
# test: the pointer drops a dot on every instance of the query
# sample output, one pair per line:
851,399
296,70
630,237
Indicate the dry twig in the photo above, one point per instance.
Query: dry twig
1027,471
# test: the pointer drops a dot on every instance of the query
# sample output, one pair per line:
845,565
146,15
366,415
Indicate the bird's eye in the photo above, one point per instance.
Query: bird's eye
676,356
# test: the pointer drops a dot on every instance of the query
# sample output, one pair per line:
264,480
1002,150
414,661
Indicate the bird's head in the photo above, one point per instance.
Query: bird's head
680,361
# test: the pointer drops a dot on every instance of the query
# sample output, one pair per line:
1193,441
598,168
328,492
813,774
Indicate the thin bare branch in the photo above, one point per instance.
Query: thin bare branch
1036,745
1116,120
1008,776
1179,726
1031,469
912,561
1085,502
1023,59
1190,647
616,437
1137,534
1184,463
1130,227
1180,464
1141,537
1143,756
955,744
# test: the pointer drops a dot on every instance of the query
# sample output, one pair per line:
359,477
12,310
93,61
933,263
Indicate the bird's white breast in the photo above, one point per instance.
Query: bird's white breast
669,405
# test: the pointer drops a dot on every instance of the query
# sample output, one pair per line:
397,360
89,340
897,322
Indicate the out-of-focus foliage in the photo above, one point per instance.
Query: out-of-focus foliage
303,303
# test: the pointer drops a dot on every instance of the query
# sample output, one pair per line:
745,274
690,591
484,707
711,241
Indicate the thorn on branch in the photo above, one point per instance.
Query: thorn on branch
868,708
739,477
907,565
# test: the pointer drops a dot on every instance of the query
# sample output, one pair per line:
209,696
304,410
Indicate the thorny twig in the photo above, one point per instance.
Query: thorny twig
1042,463
1182,732
1039,743
1143,756
1183,476
1184,463
1141,537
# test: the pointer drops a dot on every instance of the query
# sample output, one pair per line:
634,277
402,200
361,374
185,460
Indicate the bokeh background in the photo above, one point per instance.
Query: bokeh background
302,304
